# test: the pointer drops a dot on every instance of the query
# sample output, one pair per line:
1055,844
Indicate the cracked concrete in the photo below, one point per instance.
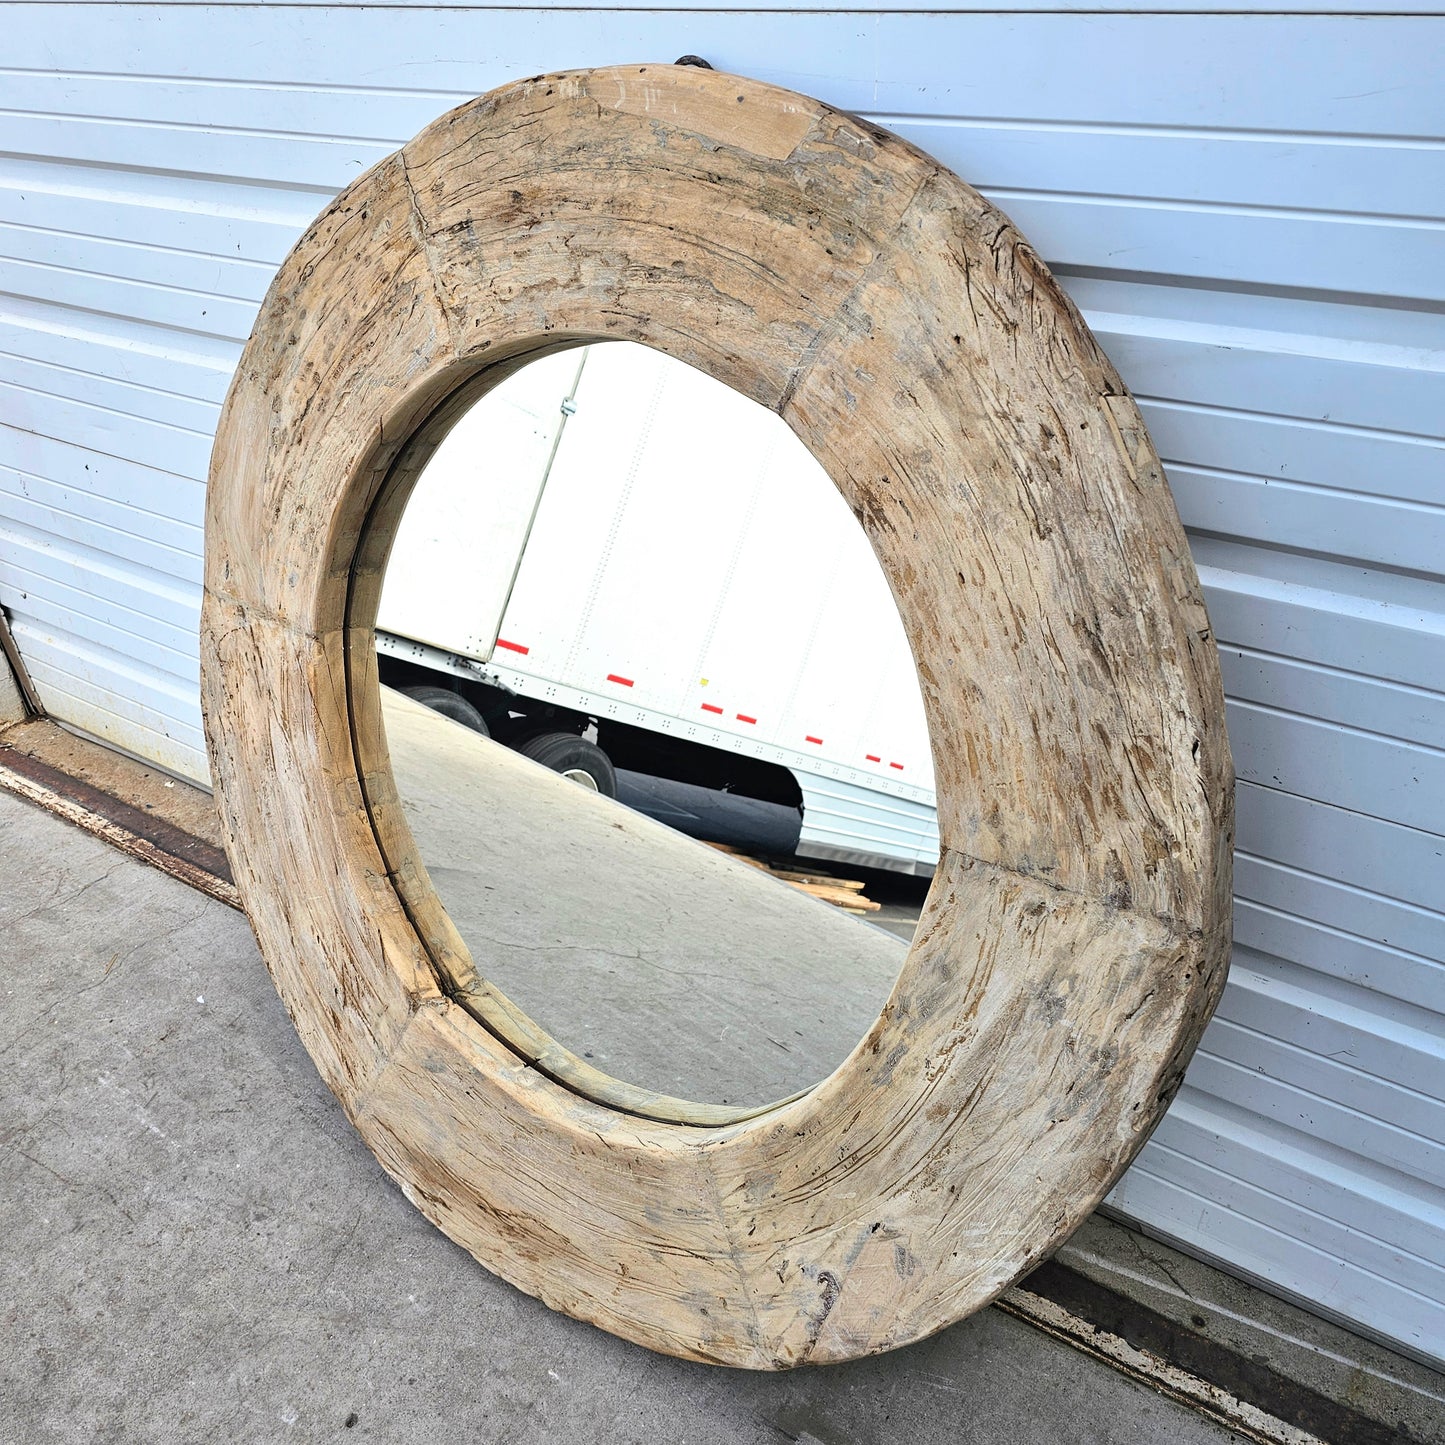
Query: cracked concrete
1314,1354
196,1246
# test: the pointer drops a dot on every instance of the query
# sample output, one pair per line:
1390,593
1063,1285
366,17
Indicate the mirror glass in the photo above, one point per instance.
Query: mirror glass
655,727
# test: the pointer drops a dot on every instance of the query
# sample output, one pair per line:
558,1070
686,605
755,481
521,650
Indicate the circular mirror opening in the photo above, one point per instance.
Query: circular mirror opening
656,736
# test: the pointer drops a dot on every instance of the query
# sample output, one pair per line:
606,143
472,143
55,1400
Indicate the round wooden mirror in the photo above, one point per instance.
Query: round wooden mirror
1076,935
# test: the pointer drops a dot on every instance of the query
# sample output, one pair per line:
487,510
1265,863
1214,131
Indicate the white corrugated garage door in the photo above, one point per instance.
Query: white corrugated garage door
1251,211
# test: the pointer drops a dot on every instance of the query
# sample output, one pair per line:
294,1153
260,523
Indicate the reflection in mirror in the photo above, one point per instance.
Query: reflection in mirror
626,611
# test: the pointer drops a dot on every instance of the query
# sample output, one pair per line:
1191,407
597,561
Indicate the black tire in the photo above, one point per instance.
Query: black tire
570,755
450,704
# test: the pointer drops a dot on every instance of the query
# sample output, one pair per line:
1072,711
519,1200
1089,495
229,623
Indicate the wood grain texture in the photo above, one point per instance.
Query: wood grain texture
1076,936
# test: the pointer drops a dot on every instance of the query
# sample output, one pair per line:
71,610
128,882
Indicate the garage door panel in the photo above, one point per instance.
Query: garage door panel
153,262
1392,972
108,393
1322,1097
1086,66
103,429
1371,530
84,692
168,508
1290,1003
1378,624
1265,1240
211,218
1353,911
121,634
1361,771
90,521
1343,1204
64,338
100,585
1393,862
205,314
1364,704
1338,457
1275,375
325,163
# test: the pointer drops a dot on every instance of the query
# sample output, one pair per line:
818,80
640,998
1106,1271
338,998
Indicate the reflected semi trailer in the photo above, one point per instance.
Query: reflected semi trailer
614,561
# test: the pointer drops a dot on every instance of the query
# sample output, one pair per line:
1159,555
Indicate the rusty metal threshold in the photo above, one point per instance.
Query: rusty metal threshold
90,786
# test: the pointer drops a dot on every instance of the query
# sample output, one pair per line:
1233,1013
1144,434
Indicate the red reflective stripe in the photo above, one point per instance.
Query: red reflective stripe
708,707
874,758
819,741
625,681
899,766
512,646
743,717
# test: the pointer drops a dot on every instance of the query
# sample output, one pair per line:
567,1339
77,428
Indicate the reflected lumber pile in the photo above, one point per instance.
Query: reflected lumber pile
844,893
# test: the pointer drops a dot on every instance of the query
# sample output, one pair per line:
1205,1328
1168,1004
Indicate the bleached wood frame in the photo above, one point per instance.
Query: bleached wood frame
1076,935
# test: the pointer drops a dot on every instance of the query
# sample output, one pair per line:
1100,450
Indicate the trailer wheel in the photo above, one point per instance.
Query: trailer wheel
1077,931
575,758
449,704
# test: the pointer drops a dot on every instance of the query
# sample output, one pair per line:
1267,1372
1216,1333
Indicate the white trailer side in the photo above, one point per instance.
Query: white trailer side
632,541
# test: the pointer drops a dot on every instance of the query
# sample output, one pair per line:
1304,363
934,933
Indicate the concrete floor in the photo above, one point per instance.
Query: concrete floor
197,1247
656,958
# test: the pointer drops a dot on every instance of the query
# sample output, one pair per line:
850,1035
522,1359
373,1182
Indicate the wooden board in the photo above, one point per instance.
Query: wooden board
845,893
1076,935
